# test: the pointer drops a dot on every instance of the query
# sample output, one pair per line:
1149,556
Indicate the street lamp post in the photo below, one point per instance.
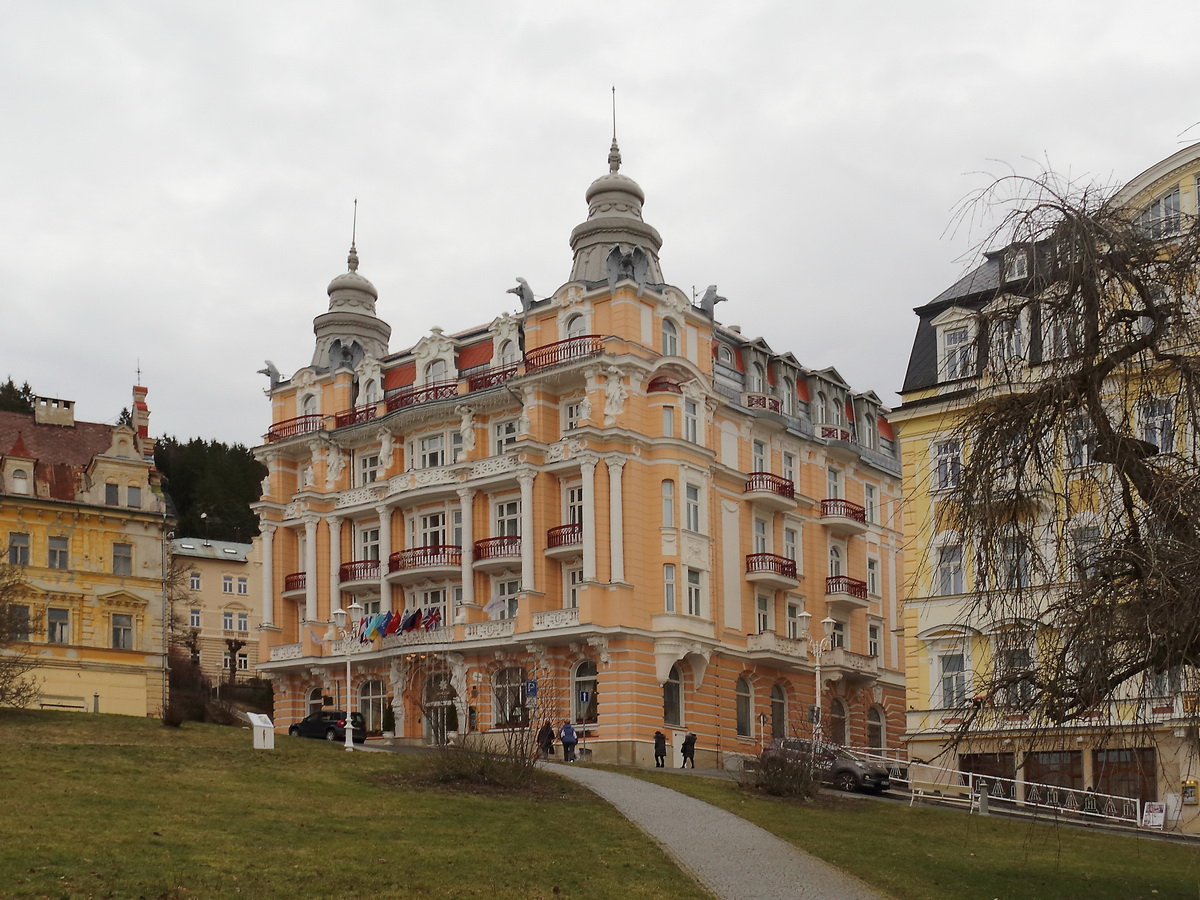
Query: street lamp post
818,648
339,620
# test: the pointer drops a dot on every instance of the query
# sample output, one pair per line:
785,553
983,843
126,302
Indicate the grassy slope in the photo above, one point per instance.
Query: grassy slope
104,806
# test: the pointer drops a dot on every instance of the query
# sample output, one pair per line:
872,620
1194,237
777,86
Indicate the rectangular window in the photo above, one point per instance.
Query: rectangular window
668,504
833,484
368,468
1079,447
1007,339
691,421
954,680
368,541
243,621
508,518
947,467
112,494
227,584
507,591
758,456
838,637
371,607
692,508
574,500
695,598
762,614
668,419
20,620
1086,547
227,620
1158,425
431,452
434,602
873,577
505,435
872,640
122,631
122,559
949,576
789,467
193,618
432,531
760,536
572,415
243,662
243,585
18,549
958,356
1161,218
669,588
58,626
791,542
134,496
574,581
1014,563
793,621
194,581
1012,662
870,504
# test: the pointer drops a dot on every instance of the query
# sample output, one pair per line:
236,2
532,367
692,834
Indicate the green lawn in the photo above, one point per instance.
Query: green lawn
108,806
926,852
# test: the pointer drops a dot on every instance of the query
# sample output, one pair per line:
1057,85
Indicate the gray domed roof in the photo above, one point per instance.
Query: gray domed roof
350,280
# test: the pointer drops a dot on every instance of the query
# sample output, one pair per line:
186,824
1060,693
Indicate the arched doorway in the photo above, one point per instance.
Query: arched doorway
439,712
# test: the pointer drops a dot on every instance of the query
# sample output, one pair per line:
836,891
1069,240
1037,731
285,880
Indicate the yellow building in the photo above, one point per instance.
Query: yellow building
218,605
606,507
83,514
1137,747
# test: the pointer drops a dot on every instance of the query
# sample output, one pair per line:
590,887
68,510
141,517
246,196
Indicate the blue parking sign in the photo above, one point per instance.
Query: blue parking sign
531,687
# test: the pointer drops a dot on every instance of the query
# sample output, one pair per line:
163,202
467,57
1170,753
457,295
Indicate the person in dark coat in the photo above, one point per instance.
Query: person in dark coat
689,750
660,750
569,739
545,739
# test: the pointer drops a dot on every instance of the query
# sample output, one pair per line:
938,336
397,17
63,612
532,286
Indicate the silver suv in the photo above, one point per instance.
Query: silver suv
842,768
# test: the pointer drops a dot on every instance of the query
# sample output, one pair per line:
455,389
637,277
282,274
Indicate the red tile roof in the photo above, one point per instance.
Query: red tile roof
61,453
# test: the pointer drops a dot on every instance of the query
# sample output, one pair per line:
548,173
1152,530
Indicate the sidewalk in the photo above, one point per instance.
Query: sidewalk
728,855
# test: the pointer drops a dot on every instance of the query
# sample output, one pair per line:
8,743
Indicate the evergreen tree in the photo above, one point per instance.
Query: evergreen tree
214,479
16,399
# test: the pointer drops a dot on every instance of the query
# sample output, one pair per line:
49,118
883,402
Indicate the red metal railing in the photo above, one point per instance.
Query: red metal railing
359,570
845,509
297,581
769,562
355,416
498,547
292,427
422,557
763,401
765,481
564,536
490,378
438,390
563,352
844,584
834,433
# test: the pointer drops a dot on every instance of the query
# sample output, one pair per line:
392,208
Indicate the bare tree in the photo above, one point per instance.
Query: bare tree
18,686
1078,496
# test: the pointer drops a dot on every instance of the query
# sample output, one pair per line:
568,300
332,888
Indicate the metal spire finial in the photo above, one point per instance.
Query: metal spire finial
352,259
614,152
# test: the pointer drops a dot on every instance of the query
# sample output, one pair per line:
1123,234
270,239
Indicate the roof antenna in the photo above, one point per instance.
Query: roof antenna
614,152
139,371
352,259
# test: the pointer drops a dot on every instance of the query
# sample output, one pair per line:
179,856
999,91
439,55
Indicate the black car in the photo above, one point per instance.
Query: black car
330,724
842,768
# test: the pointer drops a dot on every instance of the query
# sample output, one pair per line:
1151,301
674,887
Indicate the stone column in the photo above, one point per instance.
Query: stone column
616,521
527,542
335,563
466,499
385,548
588,469
310,568
268,580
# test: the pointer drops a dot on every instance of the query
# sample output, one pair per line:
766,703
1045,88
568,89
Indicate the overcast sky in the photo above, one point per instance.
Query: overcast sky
179,177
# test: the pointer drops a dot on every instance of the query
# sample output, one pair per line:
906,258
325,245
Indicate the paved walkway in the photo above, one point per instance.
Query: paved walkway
733,858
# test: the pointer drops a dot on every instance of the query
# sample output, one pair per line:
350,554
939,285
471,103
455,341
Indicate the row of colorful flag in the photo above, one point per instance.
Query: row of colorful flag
381,624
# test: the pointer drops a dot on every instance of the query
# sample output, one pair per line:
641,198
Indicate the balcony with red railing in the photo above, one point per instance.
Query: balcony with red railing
844,594
772,571
355,416
426,393
405,566
292,427
762,401
360,575
561,353
770,491
494,554
490,378
564,541
843,517
837,433
295,584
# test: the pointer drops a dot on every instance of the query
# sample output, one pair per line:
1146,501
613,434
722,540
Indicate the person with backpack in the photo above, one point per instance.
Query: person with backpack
567,735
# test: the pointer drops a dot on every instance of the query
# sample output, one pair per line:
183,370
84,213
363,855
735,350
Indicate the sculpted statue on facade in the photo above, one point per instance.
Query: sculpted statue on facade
524,293
466,426
337,464
385,448
614,396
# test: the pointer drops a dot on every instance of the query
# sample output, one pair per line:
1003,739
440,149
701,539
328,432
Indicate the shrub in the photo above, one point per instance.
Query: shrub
781,775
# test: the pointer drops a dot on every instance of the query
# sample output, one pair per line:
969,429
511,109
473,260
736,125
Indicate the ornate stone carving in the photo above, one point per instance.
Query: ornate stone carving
614,396
599,643
493,465
333,471
466,427
357,496
386,446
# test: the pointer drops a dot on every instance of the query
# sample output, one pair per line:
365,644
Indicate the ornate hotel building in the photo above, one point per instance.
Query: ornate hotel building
607,507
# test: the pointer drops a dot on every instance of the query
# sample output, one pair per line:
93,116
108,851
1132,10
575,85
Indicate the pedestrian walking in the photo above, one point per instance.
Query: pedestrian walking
689,750
660,750
567,735
545,739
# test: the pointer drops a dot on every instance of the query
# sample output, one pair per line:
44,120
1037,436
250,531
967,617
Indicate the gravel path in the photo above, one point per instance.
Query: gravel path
731,857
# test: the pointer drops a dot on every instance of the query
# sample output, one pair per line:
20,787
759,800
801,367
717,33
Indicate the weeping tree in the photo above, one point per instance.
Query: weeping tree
1077,497
18,685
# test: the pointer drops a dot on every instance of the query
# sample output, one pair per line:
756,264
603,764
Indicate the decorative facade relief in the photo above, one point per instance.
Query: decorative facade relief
357,497
433,346
615,395
466,428
333,471
386,446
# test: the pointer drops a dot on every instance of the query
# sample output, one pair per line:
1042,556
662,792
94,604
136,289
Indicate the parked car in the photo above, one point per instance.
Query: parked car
842,768
330,724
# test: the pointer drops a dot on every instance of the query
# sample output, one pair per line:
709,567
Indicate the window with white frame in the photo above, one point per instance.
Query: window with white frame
788,469
1013,662
958,354
1085,549
691,507
1161,218
431,451
756,378
833,484
948,576
1014,563
308,405
695,593
868,432
573,504
508,590
227,619
875,736
691,421
760,536
787,396
673,697
872,577
572,414
669,605
18,549
758,456
835,562
243,621
20,481
1008,337
1060,333
122,631
947,464
821,408
576,326
870,504
372,607
194,581
1078,434
508,518
1016,263
670,338
668,504
368,468
193,618
873,633
368,543
436,370
743,704
504,435
725,357
584,683
133,496
838,636
431,529
1157,424
509,695
58,626
432,603
226,584
510,354
952,672
791,544
572,582
793,621
668,421
122,560
762,613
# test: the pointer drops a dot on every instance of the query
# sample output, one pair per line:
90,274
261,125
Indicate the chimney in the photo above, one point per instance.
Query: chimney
49,411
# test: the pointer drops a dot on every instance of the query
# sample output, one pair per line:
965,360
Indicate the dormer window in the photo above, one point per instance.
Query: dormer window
1007,339
757,380
956,340
20,481
576,327
725,357
1016,263
509,356
308,405
1161,218
436,371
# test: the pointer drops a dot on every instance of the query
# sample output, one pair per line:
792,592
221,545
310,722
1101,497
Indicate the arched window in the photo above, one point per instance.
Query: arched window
668,504
836,414
741,693
370,391
866,431
670,338
316,700
576,327
509,355
835,562
436,370
673,698
837,722
875,730
778,712
20,481
585,680
371,697
308,405
757,378
821,408
725,357
509,696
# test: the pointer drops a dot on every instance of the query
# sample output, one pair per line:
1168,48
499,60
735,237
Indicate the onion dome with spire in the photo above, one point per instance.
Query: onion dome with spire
350,329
